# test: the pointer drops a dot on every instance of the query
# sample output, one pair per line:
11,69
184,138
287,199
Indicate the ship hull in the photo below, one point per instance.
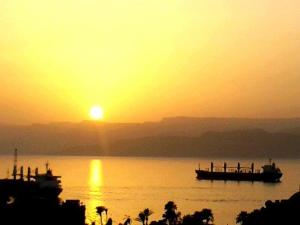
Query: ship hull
235,176
21,188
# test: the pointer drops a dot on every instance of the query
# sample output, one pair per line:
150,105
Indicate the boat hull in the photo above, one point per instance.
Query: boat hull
235,176
21,188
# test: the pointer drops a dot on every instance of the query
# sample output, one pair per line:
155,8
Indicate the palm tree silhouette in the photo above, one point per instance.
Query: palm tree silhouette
242,217
204,217
141,218
170,215
147,212
109,221
207,216
100,210
127,221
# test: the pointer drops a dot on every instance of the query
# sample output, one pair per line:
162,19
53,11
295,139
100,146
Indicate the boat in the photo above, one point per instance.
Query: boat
269,173
33,199
44,185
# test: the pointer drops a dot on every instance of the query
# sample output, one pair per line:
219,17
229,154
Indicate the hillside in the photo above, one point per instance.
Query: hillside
174,137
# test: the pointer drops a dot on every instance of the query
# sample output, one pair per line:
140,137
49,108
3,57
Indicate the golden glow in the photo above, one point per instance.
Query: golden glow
96,174
162,58
95,193
96,113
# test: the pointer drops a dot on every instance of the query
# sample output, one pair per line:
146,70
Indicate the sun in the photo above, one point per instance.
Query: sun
96,112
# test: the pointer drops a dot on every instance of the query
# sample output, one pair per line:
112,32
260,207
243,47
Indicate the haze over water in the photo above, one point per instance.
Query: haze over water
127,185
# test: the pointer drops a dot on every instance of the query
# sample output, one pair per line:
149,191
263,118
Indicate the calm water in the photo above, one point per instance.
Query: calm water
128,185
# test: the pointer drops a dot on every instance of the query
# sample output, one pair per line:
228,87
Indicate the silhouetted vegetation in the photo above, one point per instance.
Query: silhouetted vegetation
127,221
143,216
170,217
203,217
273,213
100,210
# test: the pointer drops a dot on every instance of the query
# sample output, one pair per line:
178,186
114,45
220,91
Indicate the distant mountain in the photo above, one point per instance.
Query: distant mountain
174,137
191,125
243,143
293,130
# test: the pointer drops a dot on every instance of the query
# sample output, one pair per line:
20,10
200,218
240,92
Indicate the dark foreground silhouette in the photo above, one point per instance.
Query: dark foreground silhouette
170,217
42,212
39,211
274,213
33,199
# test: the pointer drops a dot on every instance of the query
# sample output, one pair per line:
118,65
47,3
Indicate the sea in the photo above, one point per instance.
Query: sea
128,185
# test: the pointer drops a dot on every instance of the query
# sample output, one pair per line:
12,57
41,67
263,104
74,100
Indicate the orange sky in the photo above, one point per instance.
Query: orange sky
144,60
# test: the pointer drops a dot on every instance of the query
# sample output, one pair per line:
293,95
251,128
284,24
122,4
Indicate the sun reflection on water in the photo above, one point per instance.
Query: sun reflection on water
95,191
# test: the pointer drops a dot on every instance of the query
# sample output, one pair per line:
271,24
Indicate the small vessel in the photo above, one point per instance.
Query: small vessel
269,173
45,185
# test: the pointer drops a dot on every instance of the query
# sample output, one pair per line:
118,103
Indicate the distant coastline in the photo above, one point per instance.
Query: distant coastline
154,156
171,137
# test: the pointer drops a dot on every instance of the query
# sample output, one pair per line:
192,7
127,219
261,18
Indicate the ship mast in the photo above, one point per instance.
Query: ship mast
15,164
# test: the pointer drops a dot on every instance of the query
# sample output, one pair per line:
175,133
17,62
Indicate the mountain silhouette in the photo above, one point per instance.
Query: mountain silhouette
171,137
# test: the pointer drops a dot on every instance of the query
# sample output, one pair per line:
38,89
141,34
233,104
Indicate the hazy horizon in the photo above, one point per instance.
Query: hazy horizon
149,121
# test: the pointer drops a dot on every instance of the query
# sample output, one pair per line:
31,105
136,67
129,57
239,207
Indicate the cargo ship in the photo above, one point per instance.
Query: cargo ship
269,173
41,185
33,199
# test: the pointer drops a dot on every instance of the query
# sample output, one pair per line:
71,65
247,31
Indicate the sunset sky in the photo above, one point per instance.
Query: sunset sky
144,60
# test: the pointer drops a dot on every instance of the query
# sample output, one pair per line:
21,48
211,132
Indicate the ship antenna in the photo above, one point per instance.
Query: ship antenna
16,157
15,163
270,161
47,166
